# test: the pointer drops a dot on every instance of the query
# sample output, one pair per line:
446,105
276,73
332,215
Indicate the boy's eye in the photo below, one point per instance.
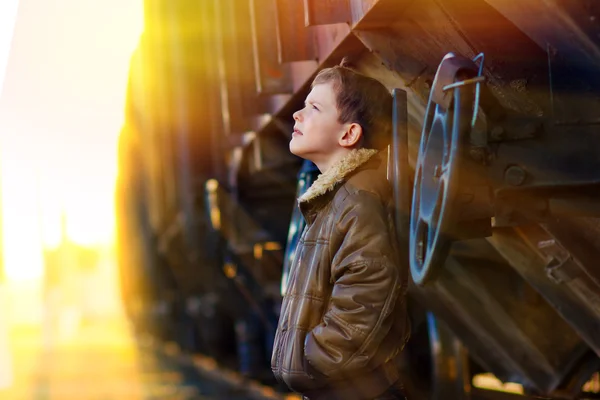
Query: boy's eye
311,105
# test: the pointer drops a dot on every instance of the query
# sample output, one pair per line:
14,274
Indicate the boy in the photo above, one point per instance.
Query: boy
343,319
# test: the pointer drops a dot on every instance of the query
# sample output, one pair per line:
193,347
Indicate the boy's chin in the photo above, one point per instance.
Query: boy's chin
305,152
296,150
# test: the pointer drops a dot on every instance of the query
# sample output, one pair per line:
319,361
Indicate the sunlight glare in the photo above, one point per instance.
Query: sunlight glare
61,110
22,235
8,14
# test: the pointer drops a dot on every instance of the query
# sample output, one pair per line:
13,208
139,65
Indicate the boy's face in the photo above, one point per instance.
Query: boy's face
317,130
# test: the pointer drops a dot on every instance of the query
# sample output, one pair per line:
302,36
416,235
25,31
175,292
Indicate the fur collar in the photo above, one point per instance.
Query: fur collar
336,173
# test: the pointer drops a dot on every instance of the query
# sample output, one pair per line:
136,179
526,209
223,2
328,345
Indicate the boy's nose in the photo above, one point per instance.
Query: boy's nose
296,115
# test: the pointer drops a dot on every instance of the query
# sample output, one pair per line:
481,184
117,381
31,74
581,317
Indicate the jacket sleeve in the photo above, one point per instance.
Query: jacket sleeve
366,288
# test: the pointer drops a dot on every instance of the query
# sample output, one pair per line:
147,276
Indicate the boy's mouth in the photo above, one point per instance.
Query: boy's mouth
296,132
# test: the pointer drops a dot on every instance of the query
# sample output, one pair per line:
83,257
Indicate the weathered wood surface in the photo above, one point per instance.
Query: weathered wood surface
568,31
325,12
525,258
235,66
272,77
296,42
503,322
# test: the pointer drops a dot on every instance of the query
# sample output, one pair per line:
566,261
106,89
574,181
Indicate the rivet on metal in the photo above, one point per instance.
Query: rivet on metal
515,175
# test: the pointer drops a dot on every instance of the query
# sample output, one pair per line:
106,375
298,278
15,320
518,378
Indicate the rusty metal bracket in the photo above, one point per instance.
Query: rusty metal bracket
450,67
569,237
562,266
560,271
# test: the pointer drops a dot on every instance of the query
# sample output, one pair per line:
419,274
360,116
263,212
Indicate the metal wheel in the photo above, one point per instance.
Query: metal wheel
447,125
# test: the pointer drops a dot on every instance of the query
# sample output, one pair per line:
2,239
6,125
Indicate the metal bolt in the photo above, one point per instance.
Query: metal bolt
515,175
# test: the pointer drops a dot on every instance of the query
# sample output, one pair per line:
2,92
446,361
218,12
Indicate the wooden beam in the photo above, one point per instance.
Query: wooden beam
569,33
371,14
319,12
236,71
520,247
295,42
521,72
329,37
503,321
272,77
562,24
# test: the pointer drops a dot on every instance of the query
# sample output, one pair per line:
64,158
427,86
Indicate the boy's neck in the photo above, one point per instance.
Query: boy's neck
330,160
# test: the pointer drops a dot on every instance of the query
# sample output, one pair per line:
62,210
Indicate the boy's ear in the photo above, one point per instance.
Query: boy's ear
352,135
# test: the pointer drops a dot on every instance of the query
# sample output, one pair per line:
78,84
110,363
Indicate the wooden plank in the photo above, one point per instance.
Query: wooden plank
520,70
503,321
301,72
569,32
213,124
471,326
240,65
325,12
223,41
360,8
399,53
520,248
563,24
371,14
272,77
415,44
295,42
328,37
239,99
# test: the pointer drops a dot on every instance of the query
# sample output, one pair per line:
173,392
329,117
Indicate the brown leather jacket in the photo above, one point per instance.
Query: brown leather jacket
343,319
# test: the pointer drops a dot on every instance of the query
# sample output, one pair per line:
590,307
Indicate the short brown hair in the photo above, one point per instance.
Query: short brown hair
361,99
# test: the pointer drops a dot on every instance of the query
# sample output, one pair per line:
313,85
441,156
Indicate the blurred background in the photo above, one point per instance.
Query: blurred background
63,78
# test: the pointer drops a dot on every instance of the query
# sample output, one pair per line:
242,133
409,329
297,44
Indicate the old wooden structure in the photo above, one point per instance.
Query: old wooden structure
495,164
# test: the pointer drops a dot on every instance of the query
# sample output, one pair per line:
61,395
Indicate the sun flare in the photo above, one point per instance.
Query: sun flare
61,109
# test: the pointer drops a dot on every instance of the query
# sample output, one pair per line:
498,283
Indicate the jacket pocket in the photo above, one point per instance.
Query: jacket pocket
293,367
276,355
